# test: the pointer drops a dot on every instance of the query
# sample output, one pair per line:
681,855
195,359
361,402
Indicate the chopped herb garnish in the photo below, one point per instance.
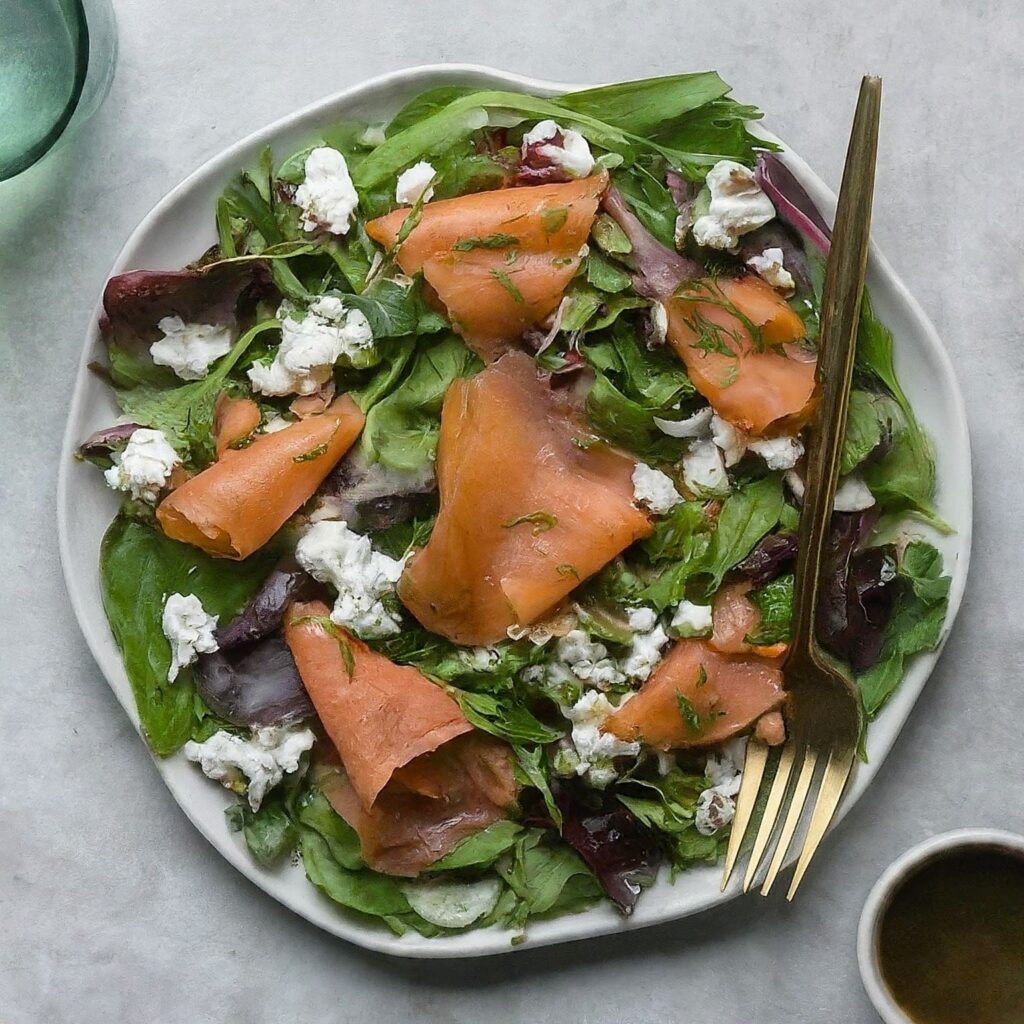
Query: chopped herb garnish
563,261
553,218
498,240
688,712
702,677
542,521
313,453
506,282
568,569
242,442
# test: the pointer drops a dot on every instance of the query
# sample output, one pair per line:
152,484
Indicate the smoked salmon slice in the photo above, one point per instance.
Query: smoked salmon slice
234,419
233,507
528,510
500,260
734,618
759,380
697,697
418,777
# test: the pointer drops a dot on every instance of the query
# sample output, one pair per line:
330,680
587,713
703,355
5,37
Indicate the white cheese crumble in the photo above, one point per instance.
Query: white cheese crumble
327,196
716,806
691,619
654,489
588,660
659,323
778,452
573,155
737,206
373,135
704,470
264,759
592,750
276,423
332,553
852,494
145,465
415,182
769,267
189,630
649,637
189,349
479,659
692,426
730,440
310,347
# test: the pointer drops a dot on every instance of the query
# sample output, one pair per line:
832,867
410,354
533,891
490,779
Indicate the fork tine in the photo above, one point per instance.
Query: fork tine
771,813
833,782
753,771
796,806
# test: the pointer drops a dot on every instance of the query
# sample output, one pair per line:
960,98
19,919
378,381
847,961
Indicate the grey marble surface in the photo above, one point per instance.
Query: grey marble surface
112,907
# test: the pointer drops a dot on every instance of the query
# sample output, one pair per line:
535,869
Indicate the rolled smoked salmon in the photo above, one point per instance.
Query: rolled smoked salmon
765,383
697,697
233,507
500,260
418,777
526,513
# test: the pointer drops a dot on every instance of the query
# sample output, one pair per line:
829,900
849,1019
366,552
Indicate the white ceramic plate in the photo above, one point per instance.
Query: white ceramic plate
181,227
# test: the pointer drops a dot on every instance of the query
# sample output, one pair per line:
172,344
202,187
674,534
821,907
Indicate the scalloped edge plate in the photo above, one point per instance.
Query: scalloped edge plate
177,230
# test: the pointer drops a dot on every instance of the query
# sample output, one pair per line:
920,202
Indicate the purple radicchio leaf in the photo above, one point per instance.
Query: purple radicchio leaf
374,497
253,684
264,613
658,270
859,591
772,556
684,194
619,848
100,446
792,203
135,303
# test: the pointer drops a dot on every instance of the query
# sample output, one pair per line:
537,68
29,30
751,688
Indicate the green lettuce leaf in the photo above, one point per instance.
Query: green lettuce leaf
481,849
269,833
775,603
139,568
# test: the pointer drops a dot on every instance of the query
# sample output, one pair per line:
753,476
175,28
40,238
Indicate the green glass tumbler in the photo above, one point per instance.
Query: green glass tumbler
56,63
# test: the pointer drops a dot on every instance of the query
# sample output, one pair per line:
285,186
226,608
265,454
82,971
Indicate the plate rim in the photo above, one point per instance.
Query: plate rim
567,928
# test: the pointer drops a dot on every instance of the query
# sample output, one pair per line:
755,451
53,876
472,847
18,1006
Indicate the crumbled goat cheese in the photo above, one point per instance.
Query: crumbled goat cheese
573,155
189,349
692,426
691,619
704,470
479,659
654,489
272,426
588,660
852,494
737,206
593,750
731,441
778,452
310,347
415,182
327,196
659,323
145,465
332,553
768,266
264,759
649,637
716,806
188,629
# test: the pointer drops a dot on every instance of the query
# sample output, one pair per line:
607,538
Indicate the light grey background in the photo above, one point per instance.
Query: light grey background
112,908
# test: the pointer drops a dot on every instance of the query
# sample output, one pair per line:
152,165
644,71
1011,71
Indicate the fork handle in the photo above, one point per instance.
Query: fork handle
837,346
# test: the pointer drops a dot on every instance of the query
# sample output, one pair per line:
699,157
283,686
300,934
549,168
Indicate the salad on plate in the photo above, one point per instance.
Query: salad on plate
459,490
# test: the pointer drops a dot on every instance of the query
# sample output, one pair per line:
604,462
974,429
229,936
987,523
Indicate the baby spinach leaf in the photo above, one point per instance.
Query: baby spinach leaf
641,106
605,275
394,310
402,429
269,833
650,200
480,849
503,715
775,603
139,568
746,516
864,430
315,812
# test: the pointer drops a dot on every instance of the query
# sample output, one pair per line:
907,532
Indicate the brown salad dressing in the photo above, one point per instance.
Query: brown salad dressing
951,941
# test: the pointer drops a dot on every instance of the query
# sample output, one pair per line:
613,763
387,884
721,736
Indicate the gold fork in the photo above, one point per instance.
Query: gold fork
822,705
